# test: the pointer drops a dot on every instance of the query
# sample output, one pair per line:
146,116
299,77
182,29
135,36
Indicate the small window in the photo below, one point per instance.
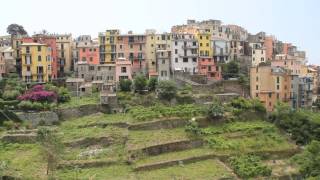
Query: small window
39,58
39,48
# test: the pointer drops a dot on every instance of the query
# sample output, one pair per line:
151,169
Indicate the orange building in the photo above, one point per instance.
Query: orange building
207,66
89,52
270,84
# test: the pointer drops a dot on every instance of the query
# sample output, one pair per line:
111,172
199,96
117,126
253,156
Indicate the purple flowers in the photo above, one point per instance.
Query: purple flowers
38,94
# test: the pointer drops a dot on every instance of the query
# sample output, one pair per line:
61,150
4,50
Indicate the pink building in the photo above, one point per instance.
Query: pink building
89,54
123,69
132,47
291,63
269,45
207,66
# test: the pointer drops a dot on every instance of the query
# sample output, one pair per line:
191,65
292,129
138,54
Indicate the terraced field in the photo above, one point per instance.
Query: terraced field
105,147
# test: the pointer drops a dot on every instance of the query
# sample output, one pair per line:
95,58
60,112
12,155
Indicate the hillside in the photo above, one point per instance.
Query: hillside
126,146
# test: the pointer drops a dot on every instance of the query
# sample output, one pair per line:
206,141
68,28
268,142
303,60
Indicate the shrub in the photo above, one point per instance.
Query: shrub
38,94
309,160
10,94
140,82
167,90
152,83
216,110
9,125
193,127
37,106
184,99
249,166
243,104
125,85
63,95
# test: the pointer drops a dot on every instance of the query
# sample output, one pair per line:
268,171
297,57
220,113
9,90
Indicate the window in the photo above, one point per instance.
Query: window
176,43
131,46
270,104
207,44
278,96
91,68
194,43
163,73
39,48
163,61
194,59
91,59
176,51
200,37
83,49
262,59
200,44
176,60
257,95
278,87
207,37
278,79
39,58
257,78
185,60
257,87
123,69
270,95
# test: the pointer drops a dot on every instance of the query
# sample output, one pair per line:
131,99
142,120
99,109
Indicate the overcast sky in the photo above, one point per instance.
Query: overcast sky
295,21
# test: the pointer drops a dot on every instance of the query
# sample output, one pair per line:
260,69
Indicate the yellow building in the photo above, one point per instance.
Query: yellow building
36,62
64,52
155,42
269,85
108,46
204,37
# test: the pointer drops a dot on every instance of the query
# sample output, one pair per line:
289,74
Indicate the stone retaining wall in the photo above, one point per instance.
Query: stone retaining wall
90,141
19,138
76,112
36,118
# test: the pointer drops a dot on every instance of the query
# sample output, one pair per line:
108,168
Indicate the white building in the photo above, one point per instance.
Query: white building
258,52
184,53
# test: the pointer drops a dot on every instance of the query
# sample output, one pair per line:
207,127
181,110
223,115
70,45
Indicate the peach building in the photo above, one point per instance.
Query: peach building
123,69
294,64
132,47
270,84
269,45
207,66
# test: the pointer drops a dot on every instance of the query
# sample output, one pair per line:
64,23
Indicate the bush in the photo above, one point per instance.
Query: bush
125,85
140,82
36,106
167,90
216,110
63,95
243,104
9,125
184,99
38,94
249,166
193,127
152,83
10,94
309,160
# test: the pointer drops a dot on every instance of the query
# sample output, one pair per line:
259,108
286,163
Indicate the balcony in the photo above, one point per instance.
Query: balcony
189,55
190,47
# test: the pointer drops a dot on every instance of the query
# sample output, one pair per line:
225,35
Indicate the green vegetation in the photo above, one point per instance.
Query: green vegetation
152,83
125,85
158,111
230,70
309,161
216,110
240,105
248,166
302,125
80,101
139,82
167,90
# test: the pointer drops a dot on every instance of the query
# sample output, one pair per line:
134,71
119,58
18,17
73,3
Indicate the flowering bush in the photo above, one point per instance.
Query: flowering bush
38,94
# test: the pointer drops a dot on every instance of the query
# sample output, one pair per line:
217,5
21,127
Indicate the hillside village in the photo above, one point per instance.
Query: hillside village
203,101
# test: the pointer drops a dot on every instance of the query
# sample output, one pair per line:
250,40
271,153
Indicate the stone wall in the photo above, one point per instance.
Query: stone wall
36,118
76,112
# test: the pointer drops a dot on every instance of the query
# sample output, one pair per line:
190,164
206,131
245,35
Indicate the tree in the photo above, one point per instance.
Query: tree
125,85
216,110
51,148
16,29
231,70
167,90
140,82
152,83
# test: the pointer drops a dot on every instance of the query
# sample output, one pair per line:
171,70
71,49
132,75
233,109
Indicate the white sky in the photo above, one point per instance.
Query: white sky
295,21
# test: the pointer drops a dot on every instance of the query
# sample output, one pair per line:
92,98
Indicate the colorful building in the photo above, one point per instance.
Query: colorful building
107,45
163,59
270,85
64,53
132,47
204,39
88,52
208,67
221,49
123,69
293,64
36,62
258,53
184,53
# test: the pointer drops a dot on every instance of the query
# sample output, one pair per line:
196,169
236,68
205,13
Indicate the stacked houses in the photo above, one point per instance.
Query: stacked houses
277,70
